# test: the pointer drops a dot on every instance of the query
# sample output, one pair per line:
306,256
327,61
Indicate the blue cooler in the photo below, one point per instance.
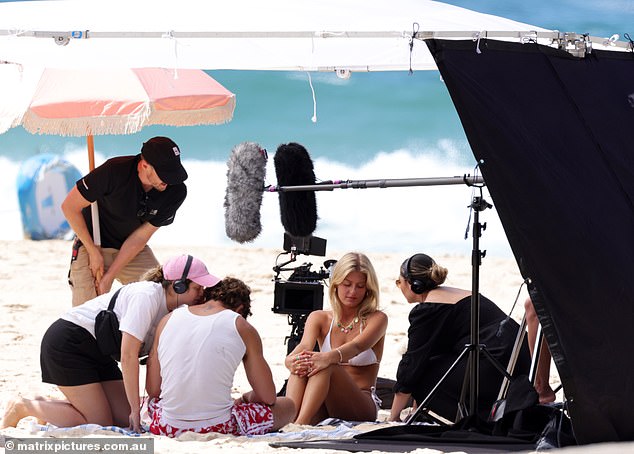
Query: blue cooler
43,182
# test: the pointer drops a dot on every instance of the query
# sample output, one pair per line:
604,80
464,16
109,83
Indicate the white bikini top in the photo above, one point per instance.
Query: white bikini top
365,358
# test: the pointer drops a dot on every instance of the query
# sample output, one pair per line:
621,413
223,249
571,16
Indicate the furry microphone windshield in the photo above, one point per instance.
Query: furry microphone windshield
245,184
298,209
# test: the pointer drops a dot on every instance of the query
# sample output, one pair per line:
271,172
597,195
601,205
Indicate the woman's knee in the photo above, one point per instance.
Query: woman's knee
529,311
118,402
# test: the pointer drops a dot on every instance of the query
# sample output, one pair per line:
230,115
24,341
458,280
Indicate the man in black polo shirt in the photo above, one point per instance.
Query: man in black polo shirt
135,196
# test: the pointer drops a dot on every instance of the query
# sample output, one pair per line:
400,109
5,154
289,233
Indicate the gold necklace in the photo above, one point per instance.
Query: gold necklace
347,328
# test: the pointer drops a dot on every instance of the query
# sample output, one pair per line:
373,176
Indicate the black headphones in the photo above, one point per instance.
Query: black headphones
417,285
180,286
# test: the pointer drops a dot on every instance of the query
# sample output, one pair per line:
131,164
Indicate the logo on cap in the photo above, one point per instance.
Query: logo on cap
168,167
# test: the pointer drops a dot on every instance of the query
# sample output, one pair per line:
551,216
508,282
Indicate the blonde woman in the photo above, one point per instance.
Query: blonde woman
339,380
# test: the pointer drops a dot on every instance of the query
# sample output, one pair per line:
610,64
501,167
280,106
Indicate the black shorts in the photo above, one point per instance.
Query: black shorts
69,356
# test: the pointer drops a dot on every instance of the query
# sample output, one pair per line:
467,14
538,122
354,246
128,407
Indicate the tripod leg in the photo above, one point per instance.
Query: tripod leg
536,354
463,411
422,405
519,339
494,361
462,408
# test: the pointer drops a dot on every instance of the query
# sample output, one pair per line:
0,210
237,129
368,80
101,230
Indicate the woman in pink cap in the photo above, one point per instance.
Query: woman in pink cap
97,391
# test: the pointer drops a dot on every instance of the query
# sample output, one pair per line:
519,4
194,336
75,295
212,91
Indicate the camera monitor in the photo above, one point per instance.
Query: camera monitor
307,245
298,297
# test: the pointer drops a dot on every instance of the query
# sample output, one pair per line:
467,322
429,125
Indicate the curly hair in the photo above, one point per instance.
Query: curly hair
232,293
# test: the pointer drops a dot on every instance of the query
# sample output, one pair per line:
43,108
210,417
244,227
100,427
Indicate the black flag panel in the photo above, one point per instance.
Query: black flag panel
554,135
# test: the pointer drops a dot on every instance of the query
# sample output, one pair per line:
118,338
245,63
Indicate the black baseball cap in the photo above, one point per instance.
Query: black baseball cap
165,156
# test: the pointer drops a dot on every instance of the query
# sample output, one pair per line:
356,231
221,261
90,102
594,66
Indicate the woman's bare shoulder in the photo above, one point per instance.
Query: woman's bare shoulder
377,314
320,316
447,295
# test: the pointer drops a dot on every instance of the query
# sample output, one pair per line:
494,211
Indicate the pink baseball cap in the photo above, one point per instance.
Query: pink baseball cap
174,269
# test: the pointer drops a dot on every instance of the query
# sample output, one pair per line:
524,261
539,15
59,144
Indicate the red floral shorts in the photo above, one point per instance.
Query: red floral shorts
246,419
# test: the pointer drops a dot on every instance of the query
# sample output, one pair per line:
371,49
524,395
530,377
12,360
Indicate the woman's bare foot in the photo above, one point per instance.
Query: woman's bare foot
15,411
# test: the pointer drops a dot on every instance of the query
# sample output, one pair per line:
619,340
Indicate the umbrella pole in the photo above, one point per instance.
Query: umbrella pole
94,209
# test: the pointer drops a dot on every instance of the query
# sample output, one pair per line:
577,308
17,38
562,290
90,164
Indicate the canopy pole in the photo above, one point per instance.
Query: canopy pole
90,142
94,209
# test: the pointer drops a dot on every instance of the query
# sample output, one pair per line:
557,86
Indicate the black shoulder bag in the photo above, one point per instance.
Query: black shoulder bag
107,330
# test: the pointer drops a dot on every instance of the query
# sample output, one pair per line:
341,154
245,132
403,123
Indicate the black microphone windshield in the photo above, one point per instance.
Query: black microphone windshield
245,185
298,209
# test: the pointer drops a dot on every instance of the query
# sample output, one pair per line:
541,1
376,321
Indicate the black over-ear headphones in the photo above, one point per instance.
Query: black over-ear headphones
180,286
417,285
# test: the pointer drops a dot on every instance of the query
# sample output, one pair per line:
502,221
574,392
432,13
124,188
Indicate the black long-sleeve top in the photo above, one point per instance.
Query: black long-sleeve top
438,329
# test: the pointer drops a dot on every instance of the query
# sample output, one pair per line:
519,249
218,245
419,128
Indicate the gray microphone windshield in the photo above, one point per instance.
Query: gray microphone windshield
245,184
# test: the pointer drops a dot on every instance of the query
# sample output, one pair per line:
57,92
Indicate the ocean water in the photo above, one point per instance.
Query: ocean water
371,126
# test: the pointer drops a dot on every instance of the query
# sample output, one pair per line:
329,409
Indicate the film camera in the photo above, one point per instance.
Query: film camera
303,291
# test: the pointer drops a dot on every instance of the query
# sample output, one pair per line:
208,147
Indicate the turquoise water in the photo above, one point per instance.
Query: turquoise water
373,125
356,118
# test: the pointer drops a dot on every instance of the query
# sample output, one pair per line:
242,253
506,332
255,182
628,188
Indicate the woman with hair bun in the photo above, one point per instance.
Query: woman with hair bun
440,328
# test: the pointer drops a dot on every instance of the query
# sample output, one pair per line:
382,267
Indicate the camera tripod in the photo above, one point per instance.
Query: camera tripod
473,349
297,322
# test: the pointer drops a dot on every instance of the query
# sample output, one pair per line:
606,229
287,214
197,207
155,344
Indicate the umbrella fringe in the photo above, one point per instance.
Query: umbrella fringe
82,126
126,124
217,115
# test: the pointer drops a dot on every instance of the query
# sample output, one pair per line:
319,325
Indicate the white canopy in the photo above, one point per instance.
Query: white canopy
324,35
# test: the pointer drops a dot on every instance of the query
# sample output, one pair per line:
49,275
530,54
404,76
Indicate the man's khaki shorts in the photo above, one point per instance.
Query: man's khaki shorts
82,282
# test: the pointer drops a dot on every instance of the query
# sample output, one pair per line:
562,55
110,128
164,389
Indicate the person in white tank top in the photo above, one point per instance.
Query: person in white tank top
192,364
339,380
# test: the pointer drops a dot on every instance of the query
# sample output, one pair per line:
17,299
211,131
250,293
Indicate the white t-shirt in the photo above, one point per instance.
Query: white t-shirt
199,355
139,308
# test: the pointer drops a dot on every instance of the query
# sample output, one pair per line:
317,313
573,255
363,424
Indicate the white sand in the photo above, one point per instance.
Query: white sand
34,292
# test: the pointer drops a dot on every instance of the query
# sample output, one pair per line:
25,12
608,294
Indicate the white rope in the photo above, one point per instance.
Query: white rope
170,35
312,89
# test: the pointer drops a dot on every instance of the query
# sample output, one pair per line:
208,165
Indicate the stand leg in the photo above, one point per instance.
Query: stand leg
536,353
463,411
422,405
505,373
474,348
519,339
478,205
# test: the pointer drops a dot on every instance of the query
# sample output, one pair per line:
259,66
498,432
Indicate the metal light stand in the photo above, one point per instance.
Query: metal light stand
388,183
298,323
474,348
